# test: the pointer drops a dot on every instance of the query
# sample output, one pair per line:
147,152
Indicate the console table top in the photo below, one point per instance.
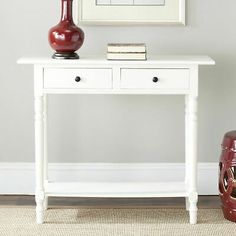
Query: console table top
151,59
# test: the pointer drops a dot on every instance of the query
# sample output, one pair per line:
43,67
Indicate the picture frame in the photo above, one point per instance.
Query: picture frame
172,12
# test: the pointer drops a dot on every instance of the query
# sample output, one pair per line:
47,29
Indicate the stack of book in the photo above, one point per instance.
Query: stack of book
127,51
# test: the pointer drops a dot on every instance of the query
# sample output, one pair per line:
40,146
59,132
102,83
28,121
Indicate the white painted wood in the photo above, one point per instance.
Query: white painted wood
172,61
192,143
21,176
177,75
116,78
116,189
39,143
89,78
39,193
45,146
192,156
186,150
38,80
143,79
118,91
194,80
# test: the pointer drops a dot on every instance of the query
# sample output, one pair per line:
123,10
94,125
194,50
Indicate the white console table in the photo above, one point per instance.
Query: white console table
158,75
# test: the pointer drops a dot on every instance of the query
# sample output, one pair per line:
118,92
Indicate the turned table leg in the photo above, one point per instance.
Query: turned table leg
186,152
191,156
45,149
39,151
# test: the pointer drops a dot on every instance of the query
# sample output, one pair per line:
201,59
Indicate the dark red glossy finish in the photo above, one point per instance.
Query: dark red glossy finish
66,37
227,176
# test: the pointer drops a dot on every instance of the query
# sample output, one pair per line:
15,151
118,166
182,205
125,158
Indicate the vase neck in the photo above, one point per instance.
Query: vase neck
66,10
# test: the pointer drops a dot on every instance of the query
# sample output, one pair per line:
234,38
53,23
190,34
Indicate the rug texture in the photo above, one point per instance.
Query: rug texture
104,222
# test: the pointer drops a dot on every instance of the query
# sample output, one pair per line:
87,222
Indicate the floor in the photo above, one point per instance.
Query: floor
25,200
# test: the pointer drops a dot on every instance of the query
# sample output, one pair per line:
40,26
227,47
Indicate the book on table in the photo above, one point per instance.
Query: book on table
126,47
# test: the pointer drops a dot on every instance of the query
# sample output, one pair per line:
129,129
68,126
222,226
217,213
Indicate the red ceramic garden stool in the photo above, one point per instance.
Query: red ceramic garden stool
227,176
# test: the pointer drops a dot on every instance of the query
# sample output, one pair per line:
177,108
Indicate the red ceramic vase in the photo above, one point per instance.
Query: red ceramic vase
66,38
227,176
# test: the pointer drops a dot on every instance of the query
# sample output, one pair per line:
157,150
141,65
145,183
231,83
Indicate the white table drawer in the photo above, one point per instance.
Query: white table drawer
146,78
86,78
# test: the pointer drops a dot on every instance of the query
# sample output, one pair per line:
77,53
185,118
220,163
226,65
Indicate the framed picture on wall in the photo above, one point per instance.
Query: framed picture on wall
108,12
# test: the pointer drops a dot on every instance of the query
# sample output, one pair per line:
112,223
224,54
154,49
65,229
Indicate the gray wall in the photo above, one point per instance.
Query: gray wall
117,128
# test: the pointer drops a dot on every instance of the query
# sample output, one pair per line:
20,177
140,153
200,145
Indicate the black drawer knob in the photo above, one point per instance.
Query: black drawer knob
155,79
77,79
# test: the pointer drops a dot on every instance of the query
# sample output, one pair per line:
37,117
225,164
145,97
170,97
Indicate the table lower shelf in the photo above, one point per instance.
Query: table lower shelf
116,189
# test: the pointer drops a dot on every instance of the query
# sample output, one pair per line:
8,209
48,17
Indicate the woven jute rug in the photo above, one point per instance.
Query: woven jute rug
104,222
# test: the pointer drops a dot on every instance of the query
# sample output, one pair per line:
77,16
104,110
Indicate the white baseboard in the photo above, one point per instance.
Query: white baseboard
18,178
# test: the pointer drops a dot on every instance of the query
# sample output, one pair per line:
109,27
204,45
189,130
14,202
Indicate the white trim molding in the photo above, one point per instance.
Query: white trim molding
18,178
